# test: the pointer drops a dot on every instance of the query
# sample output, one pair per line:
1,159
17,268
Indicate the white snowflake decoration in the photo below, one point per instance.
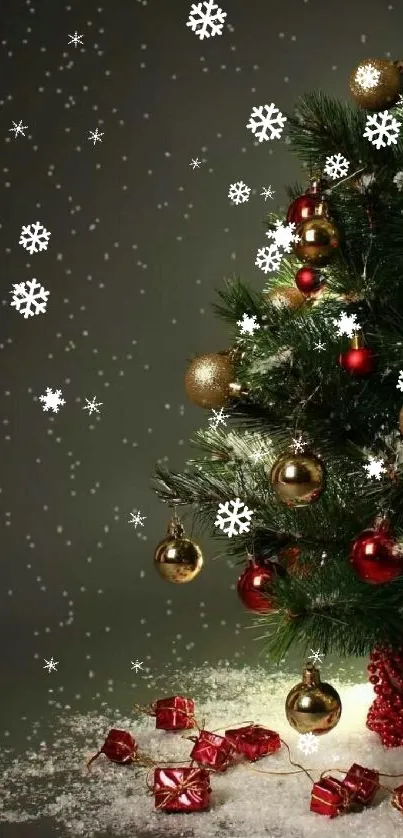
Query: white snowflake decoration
207,22
382,129
218,418
92,406
316,657
284,235
137,519
29,298
52,400
399,384
268,259
229,520
367,76
95,136
239,192
51,665
18,129
264,119
76,40
34,237
308,743
398,180
319,346
336,166
268,192
298,444
375,467
347,324
195,163
136,665
248,325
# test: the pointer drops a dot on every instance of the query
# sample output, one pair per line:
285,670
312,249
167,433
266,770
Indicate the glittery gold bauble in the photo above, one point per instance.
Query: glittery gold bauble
177,559
285,297
313,706
208,379
375,84
401,420
298,479
318,241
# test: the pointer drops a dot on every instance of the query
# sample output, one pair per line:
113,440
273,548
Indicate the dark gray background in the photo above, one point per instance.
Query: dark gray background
139,241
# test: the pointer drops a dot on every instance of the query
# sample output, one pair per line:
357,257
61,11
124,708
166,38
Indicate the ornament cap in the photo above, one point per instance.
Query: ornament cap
317,185
175,528
311,676
357,341
321,209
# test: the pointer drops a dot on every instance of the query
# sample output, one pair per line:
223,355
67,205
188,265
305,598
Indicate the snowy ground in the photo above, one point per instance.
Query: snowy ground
50,780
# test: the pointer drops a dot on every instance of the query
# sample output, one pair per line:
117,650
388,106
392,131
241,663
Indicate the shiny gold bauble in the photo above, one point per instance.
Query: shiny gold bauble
178,559
375,84
297,479
285,297
208,379
318,241
313,706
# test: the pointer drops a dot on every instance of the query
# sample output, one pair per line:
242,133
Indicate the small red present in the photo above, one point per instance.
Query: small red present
181,789
174,713
362,783
254,741
212,750
329,797
119,746
397,798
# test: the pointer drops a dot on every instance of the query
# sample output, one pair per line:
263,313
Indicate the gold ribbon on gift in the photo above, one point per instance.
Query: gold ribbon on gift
150,710
190,783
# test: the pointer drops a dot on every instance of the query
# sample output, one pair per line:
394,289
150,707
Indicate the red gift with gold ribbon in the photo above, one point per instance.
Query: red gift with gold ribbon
254,741
397,798
119,746
183,789
174,713
212,750
362,783
329,797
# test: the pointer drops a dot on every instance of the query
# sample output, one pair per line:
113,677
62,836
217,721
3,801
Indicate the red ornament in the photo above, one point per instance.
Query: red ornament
308,279
374,555
303,207
119,746
183,789
359,359
212,751
254,741
254,586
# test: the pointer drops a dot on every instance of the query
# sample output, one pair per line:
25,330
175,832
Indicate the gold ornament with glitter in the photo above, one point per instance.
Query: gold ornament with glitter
375,83
313,706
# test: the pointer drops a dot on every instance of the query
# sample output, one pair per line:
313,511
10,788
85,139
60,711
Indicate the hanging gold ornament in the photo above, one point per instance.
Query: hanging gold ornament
209,379
285,296
313,706
375,83
297,479
177,559
318,238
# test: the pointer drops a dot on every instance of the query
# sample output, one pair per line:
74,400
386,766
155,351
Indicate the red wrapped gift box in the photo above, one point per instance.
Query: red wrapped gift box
212,750
174,713
329,797
362,783
397,798
181,789
254,741
119,746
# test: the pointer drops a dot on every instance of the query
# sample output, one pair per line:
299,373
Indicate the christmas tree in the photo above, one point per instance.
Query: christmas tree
299,469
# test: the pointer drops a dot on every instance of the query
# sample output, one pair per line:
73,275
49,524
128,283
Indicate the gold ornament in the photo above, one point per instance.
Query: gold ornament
401,420
375,83
177,559
313,706
285,296
318,238
209,380
297,479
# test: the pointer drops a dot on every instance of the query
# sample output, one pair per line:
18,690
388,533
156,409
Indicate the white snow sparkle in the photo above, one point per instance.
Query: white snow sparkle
239,192
382,129
268,192
218,418
137,665
264,119
319,346
92,406
336,166
268,258
52,400
283,236
375,467
208,21
316,657
399,384
229,520
50,665
308,743
34,237
137,519
398,180
346,324
29,298
195,163
76,40
95,136
248,325
298,444
18,129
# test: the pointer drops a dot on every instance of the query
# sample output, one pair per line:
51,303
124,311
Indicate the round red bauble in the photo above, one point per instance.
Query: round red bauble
373,556
302,209
254,587
359,361
308,279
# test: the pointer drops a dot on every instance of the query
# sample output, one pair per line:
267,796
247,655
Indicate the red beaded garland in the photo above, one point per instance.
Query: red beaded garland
384,716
